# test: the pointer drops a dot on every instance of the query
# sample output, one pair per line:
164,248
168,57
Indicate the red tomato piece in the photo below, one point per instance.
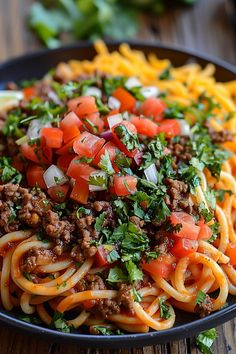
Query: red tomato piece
34,176
70,125
45,152
205,231
29,92
59,193
189,229
28,151
53,137
170,127
163,266
112,151
145,126
88,304
67,149
126,99
18,162
64,161
102,253
79,170
112,113
183,247
83,105
88,144
231,253
80,191
154,108
93,123
125,185
132,129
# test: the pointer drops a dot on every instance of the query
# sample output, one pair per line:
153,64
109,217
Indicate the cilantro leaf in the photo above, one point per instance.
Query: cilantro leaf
98,179
116,275
136,295
207,215
200,297
30,319
122,161
60,323
99,222
113,256
129,139
164,309
133,271
106,331
105,164
205,340
9,174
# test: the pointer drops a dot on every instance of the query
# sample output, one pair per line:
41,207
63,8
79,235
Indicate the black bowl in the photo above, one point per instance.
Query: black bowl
35,66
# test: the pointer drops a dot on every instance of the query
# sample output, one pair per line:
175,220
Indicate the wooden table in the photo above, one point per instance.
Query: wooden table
204,27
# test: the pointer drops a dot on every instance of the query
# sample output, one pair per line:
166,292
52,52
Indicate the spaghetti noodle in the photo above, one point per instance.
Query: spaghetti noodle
121,171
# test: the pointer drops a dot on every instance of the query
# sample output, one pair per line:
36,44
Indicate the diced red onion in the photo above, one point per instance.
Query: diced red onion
184,127
151,173
35,127
107,135
113,103
138,158
149,91
114,119
93,91
94,188
53,176
132,82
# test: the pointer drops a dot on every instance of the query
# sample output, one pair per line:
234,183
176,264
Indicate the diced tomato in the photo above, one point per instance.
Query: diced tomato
59,193
170,127
154,108
45,152
189,229
80,191
34,176
18,162
163,266
83,105
28,151
145,126
125,185
231,253
64,161
93,123
53,137
183,247
70,125
112,151
102,253
29,92
79,170
88,144
205,231
88,304
126,99
132,129
67,148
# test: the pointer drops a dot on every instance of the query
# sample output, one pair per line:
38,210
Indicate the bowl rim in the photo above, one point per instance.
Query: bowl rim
130,339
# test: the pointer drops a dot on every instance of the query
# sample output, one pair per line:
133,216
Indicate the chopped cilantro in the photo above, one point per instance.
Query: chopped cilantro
67,90
207,215
99,222
174,111
133,271
113,256
151,255
154,151
102,108
9,174
122,161
166,73
82,211
106,331
129,139
30,319
105,164
205,340
27,276
83,159
200,297
99,179
116,275
215,231
112,83
60,323
136,295
164,309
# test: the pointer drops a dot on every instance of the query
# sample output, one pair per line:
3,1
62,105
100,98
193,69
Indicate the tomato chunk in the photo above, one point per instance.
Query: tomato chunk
112,151
34,176
79,170
119,131
102,253
145,126
170,127
28,151
59,193
70,125
163,266
183,247
83,105
205,231
67,148
80,191
231,253
189,229
88,144
125,185
29,92
154,108
93,123
64,161
126,99
53,137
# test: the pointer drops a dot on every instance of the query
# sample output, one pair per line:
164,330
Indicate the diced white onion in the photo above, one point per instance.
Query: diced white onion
151,173
102,175
149,91
132,82
53,176
184,127
35,128
113,103
53,96
93,91
114,119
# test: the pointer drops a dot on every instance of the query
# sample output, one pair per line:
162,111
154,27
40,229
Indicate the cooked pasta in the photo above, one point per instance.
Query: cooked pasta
118,194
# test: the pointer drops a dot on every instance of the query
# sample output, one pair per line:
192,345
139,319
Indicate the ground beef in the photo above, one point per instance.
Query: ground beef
220,137
124,297
181,150
177,198
37,257
104,206
205,308
136,221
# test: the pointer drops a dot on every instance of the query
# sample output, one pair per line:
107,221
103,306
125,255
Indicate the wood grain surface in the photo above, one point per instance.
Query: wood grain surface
205,28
